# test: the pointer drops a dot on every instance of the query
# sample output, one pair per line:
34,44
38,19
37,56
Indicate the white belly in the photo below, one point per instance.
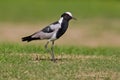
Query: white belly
53,37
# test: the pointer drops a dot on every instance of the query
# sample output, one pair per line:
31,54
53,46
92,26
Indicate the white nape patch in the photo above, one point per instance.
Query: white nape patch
60,20
69,13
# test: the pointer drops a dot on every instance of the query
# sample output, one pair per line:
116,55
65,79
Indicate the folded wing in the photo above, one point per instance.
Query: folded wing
45,33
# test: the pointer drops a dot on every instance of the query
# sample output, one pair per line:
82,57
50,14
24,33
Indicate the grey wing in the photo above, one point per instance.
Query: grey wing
51,28
47,32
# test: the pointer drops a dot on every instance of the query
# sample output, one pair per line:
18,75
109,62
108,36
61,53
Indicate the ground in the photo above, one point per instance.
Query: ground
30,61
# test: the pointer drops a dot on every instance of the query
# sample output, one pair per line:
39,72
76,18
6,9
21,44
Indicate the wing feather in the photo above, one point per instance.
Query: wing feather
48,31
51,28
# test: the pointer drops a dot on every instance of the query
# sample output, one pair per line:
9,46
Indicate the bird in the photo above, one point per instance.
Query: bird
52,32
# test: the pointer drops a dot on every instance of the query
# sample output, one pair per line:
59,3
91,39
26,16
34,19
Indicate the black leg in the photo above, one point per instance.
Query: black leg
52,51
46,46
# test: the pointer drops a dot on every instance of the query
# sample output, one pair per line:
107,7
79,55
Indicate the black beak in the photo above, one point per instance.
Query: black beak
74,18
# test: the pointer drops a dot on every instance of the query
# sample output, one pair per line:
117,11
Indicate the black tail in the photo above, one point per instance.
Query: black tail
28,38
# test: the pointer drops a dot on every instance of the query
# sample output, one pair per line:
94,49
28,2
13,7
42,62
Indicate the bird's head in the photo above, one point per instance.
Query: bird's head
67,16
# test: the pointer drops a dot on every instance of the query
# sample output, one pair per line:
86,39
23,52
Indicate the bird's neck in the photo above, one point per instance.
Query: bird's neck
60,20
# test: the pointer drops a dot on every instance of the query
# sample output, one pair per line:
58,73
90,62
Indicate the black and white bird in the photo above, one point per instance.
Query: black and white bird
52,32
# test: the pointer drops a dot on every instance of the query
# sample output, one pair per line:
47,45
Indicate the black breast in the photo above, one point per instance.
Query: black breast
63,29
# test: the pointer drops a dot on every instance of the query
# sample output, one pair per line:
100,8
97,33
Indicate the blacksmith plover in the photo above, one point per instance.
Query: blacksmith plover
52,32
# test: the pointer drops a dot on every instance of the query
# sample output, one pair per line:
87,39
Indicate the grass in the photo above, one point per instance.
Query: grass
18,62
35,11
32,62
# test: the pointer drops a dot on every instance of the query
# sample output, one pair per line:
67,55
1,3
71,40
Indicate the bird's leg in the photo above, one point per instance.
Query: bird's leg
52,51
46,46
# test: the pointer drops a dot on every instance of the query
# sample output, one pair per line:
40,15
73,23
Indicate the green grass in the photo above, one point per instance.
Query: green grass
32,62
18,62
37,10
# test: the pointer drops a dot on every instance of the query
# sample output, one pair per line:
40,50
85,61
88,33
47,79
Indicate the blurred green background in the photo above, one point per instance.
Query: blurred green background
98,20
39,10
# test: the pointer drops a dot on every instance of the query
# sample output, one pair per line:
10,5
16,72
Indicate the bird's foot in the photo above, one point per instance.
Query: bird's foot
54,60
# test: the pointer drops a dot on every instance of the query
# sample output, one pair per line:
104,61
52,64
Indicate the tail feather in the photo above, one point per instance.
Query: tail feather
28,38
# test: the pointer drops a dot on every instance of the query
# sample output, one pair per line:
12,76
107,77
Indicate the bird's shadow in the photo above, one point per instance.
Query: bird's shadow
49,60
38,58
